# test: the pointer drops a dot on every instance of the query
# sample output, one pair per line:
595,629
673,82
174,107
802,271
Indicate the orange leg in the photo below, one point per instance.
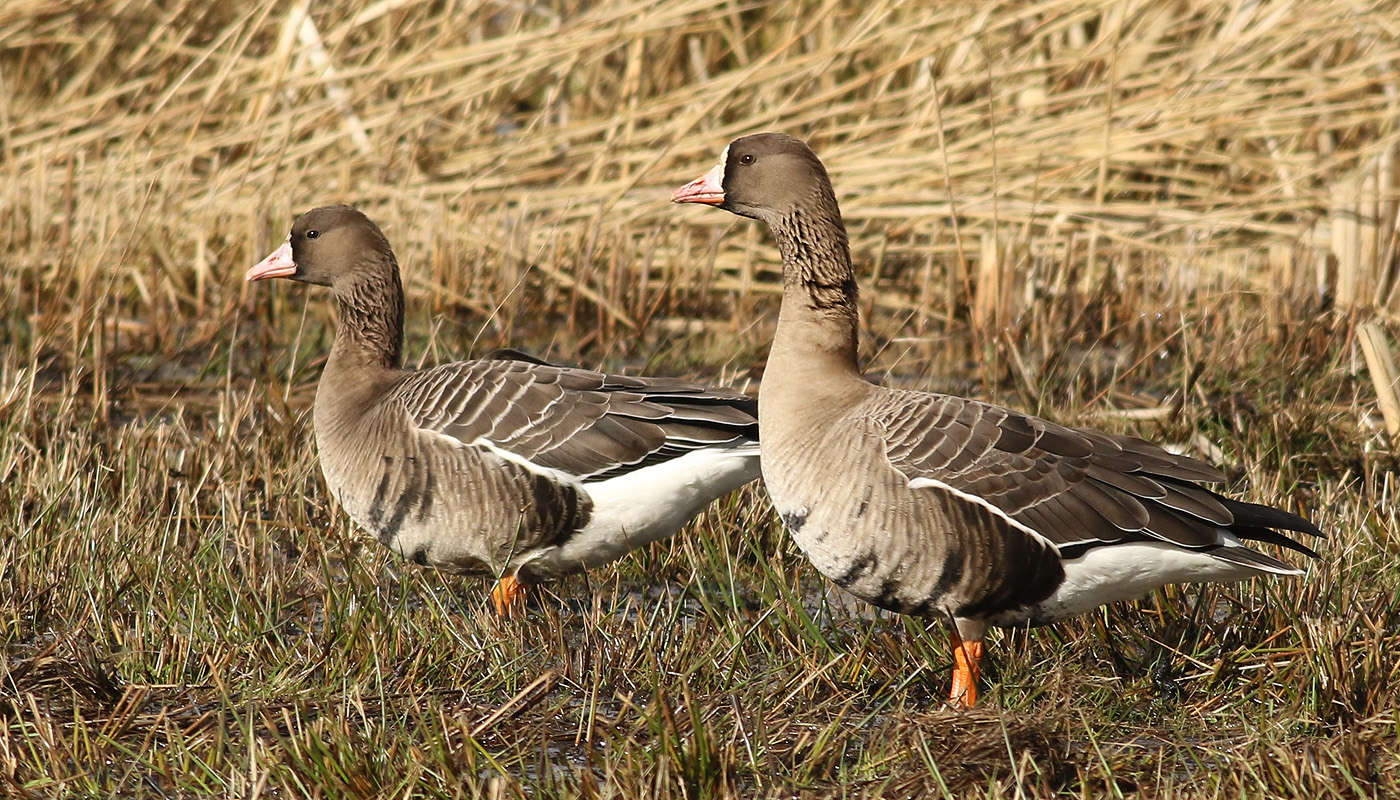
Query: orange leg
967,668
503,597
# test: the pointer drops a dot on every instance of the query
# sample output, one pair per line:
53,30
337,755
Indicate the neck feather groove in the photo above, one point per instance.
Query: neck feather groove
370,330
819,315
817,255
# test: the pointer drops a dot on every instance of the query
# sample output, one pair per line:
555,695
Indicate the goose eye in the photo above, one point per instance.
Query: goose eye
746,158
313,234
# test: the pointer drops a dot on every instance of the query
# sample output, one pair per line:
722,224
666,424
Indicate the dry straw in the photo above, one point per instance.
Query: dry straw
1384,375
1181,146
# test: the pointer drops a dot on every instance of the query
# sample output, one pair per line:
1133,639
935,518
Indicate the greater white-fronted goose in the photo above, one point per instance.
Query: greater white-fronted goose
946,507
501,466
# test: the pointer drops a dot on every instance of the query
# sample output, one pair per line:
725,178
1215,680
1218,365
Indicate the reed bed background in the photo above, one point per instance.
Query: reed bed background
1177,220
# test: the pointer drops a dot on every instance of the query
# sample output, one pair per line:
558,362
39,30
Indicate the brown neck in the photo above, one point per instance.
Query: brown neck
818,321
370,330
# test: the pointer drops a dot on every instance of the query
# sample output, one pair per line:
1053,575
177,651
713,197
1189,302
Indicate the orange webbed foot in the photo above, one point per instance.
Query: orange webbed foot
967,669
507,590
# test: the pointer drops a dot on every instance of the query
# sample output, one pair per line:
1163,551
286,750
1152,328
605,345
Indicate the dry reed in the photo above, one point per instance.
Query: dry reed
1183,139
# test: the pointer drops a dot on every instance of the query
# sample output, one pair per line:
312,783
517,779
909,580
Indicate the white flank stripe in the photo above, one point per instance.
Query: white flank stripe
514,458
927,483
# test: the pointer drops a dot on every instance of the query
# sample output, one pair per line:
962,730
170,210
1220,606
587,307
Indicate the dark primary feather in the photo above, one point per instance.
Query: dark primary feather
511,354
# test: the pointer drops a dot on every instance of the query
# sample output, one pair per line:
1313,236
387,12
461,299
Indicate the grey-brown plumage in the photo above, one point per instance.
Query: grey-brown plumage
942,506
504,465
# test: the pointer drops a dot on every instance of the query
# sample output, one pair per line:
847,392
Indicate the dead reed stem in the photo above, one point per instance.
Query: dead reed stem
1169,129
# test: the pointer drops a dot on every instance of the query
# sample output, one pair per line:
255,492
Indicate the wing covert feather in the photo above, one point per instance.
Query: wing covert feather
587,424
1077,487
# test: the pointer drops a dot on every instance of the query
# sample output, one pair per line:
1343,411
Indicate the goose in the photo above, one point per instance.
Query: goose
504,466
946,507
